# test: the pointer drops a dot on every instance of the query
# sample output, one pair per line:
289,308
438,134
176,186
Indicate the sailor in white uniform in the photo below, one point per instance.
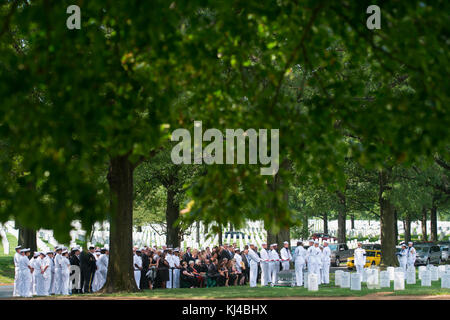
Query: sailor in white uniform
326,261
299,263
254,260
137,266
314,256
176,271
39,277
265,273
17,256
411,256
25,274
274,257
65,272
35,264
171,262
46,266
286,256
360,259
403,257
57,278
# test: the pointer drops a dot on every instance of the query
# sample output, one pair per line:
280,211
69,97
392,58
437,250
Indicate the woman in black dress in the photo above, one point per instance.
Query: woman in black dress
151,274
187,276
162,270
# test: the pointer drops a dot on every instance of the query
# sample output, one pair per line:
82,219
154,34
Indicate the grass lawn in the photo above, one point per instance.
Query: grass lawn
6,261
278,292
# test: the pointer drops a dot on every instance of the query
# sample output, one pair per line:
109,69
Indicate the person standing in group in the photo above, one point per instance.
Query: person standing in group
169,259
360,259
35,266
137,266
25,275
51,256
75,261
411,257
314,255
57,260
40,271
299,263
17,257
286,256
403,257
65,272
47,268
88,266
254,260
265,272
274,256
145,265
176,271
326,261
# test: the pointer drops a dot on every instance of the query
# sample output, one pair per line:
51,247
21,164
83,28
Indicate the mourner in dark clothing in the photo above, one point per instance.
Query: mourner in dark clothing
187,276
145,265
162,271
75,261
88,266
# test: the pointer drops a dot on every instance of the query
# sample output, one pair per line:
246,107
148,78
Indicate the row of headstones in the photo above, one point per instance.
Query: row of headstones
376,279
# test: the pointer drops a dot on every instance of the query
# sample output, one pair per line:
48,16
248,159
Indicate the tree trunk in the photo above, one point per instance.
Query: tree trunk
220,235
424,224
325,223
342,217
305,229
387,222
395,226
283,234
433,226
352,219
172,215
407,226
120,268
27,238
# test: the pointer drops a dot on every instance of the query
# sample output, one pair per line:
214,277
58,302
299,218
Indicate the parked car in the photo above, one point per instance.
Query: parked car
324,236
339,253
371,246
428,254
373,258
444,252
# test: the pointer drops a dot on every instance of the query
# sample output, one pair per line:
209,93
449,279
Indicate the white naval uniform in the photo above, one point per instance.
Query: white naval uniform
169,259
99,281
326,261
57,276
299,263
47,262
274,265
403,259
176,271
314,256
411,257
65,275
52,275
39,277
17,257
285,255
264,263
25,278
36,265
238,259
137,260
360,260
254,259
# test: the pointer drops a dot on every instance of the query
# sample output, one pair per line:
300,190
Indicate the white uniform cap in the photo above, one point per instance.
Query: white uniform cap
18,247
317,241
65,251
325,241
35,254
285,242
263,243
311,240
410,242
274,244
49,252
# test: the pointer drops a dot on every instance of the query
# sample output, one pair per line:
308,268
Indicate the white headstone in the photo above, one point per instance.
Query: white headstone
391,271
364,275
399,281
345,280
411,276
385,279
338,277
426,279
441,271
355,282
373,280
434,274
313,282
421,270
445,280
